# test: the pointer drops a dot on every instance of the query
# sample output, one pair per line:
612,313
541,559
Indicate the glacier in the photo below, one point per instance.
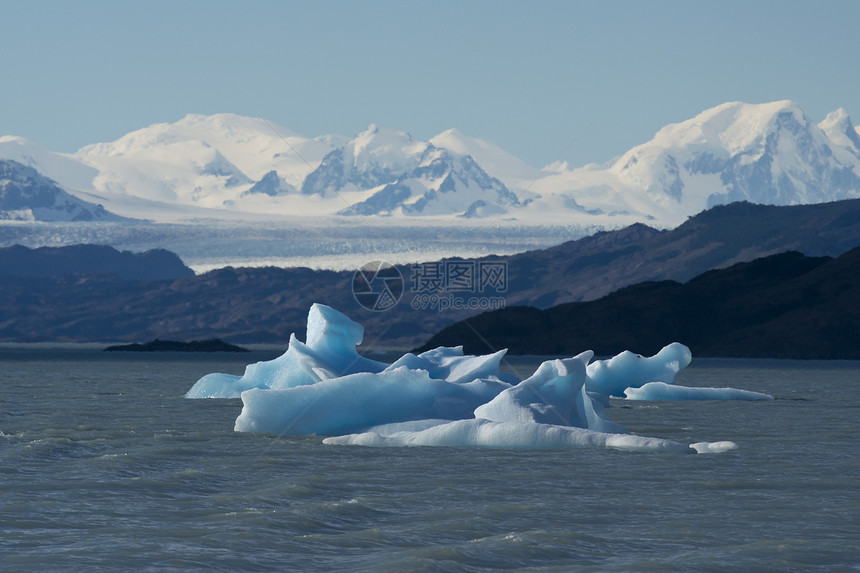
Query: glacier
443,397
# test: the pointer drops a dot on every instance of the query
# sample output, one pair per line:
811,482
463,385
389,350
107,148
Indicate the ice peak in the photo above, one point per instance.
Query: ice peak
841,131
453,133
837,116
382,145
837,121
382,134
733,126
494,160
557,166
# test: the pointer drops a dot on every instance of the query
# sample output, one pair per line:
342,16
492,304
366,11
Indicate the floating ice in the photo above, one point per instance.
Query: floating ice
359,401
713,447
663,391
442,397
554,394
449,364
486,433
628,370
329,353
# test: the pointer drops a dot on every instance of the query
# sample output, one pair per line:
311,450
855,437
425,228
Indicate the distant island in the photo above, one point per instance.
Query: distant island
212,345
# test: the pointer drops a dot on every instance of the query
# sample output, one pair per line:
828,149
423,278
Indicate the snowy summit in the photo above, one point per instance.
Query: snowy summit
230,166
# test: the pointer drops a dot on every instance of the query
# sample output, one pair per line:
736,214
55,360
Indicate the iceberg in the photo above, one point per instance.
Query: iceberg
628,370
328,353
486,433
554,394
450,364
359,401
443,397
713,447
663,391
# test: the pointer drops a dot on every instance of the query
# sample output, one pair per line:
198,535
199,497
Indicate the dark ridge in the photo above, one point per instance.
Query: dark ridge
783,306
212,345
156,264
266,305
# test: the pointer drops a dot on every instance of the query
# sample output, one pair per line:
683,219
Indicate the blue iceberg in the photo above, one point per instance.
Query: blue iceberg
356,402
329,353
628,370
441,397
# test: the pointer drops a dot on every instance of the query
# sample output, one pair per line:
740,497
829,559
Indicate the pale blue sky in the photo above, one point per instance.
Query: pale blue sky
527,76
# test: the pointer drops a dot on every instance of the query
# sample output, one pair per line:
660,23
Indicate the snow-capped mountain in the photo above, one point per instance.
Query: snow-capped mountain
26,195
385,172
510,169
209,161
838,127
229,166
70,171
768,153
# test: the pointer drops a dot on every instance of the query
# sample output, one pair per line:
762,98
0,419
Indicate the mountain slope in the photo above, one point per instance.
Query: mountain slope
782,306
211,161
267,304
27,195
766,153
68,171
44,262
497,162
592,267
226,165
385,172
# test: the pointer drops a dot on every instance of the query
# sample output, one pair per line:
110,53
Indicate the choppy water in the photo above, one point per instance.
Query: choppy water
105,466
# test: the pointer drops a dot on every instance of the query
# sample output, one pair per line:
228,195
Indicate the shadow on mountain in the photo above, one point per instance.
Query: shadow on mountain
782,306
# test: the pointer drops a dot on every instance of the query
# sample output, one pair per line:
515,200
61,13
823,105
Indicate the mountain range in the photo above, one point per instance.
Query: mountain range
265,305
233,167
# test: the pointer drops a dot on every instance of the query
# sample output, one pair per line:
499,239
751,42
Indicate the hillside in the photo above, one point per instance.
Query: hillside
249,305
18,261
27,195
782,306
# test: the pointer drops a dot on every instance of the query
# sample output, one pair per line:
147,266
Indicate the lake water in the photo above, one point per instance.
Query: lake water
105,466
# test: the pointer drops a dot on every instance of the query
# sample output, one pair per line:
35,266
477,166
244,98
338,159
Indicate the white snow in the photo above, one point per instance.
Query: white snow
61,168
661,179
204,166
207,161
511,170
377,147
